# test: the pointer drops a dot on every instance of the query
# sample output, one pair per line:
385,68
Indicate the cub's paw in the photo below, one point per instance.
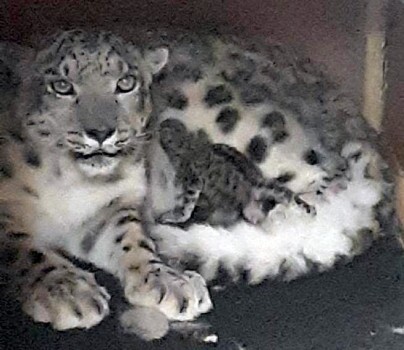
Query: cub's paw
254,212
361,159
262,201
176,216
328,186
180,296
306,207
66,299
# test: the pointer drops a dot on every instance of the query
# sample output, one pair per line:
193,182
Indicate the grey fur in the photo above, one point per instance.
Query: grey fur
219,184
83,89
257,72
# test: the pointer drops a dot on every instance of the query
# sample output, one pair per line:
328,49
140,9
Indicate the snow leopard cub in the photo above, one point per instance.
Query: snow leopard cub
219,184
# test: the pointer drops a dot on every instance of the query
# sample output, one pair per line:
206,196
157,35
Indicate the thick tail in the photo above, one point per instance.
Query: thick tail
150,324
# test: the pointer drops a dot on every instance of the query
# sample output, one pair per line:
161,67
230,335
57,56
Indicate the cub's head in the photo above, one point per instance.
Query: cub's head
89,96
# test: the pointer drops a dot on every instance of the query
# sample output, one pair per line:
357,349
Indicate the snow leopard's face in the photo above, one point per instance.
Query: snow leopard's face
90,97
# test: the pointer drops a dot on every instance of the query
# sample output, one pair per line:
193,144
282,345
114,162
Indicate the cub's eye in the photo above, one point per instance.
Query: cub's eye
62,87
126,84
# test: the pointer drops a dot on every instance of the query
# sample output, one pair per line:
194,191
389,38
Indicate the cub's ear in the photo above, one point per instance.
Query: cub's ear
156,59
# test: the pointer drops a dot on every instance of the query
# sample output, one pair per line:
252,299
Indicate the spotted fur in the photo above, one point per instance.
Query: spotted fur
280,112
219,184
73,182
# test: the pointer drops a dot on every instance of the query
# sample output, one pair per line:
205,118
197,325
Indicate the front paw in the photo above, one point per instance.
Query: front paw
66,299
258,210
180,296
254,214
306,207
176,216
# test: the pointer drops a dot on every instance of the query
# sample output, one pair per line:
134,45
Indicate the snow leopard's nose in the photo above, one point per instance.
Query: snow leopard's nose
100,135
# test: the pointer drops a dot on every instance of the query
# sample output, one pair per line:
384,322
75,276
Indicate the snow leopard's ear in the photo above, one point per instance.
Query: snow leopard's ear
156,59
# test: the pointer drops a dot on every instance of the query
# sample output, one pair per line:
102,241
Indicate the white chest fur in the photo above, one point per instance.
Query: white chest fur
68,200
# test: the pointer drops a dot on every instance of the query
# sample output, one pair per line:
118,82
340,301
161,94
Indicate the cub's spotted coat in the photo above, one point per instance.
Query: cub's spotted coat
72,179
219,184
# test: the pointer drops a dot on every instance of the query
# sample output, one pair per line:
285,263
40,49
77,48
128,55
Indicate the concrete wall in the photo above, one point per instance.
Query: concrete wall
330,31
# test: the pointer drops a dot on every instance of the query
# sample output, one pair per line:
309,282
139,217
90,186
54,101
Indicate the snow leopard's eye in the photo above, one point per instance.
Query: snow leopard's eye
126,84
62,87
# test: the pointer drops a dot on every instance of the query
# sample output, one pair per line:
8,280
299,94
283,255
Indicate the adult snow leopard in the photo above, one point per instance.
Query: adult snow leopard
72,180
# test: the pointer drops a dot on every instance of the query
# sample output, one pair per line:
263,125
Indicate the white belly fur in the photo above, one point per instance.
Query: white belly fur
285,245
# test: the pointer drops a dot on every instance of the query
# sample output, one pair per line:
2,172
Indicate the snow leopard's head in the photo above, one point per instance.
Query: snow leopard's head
90,96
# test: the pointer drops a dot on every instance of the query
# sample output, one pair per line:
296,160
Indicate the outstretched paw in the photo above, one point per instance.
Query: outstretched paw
265,199
308,208
66,299
176,216
180,296
257,210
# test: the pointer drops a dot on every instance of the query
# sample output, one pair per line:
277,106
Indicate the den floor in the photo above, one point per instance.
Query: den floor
353,307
